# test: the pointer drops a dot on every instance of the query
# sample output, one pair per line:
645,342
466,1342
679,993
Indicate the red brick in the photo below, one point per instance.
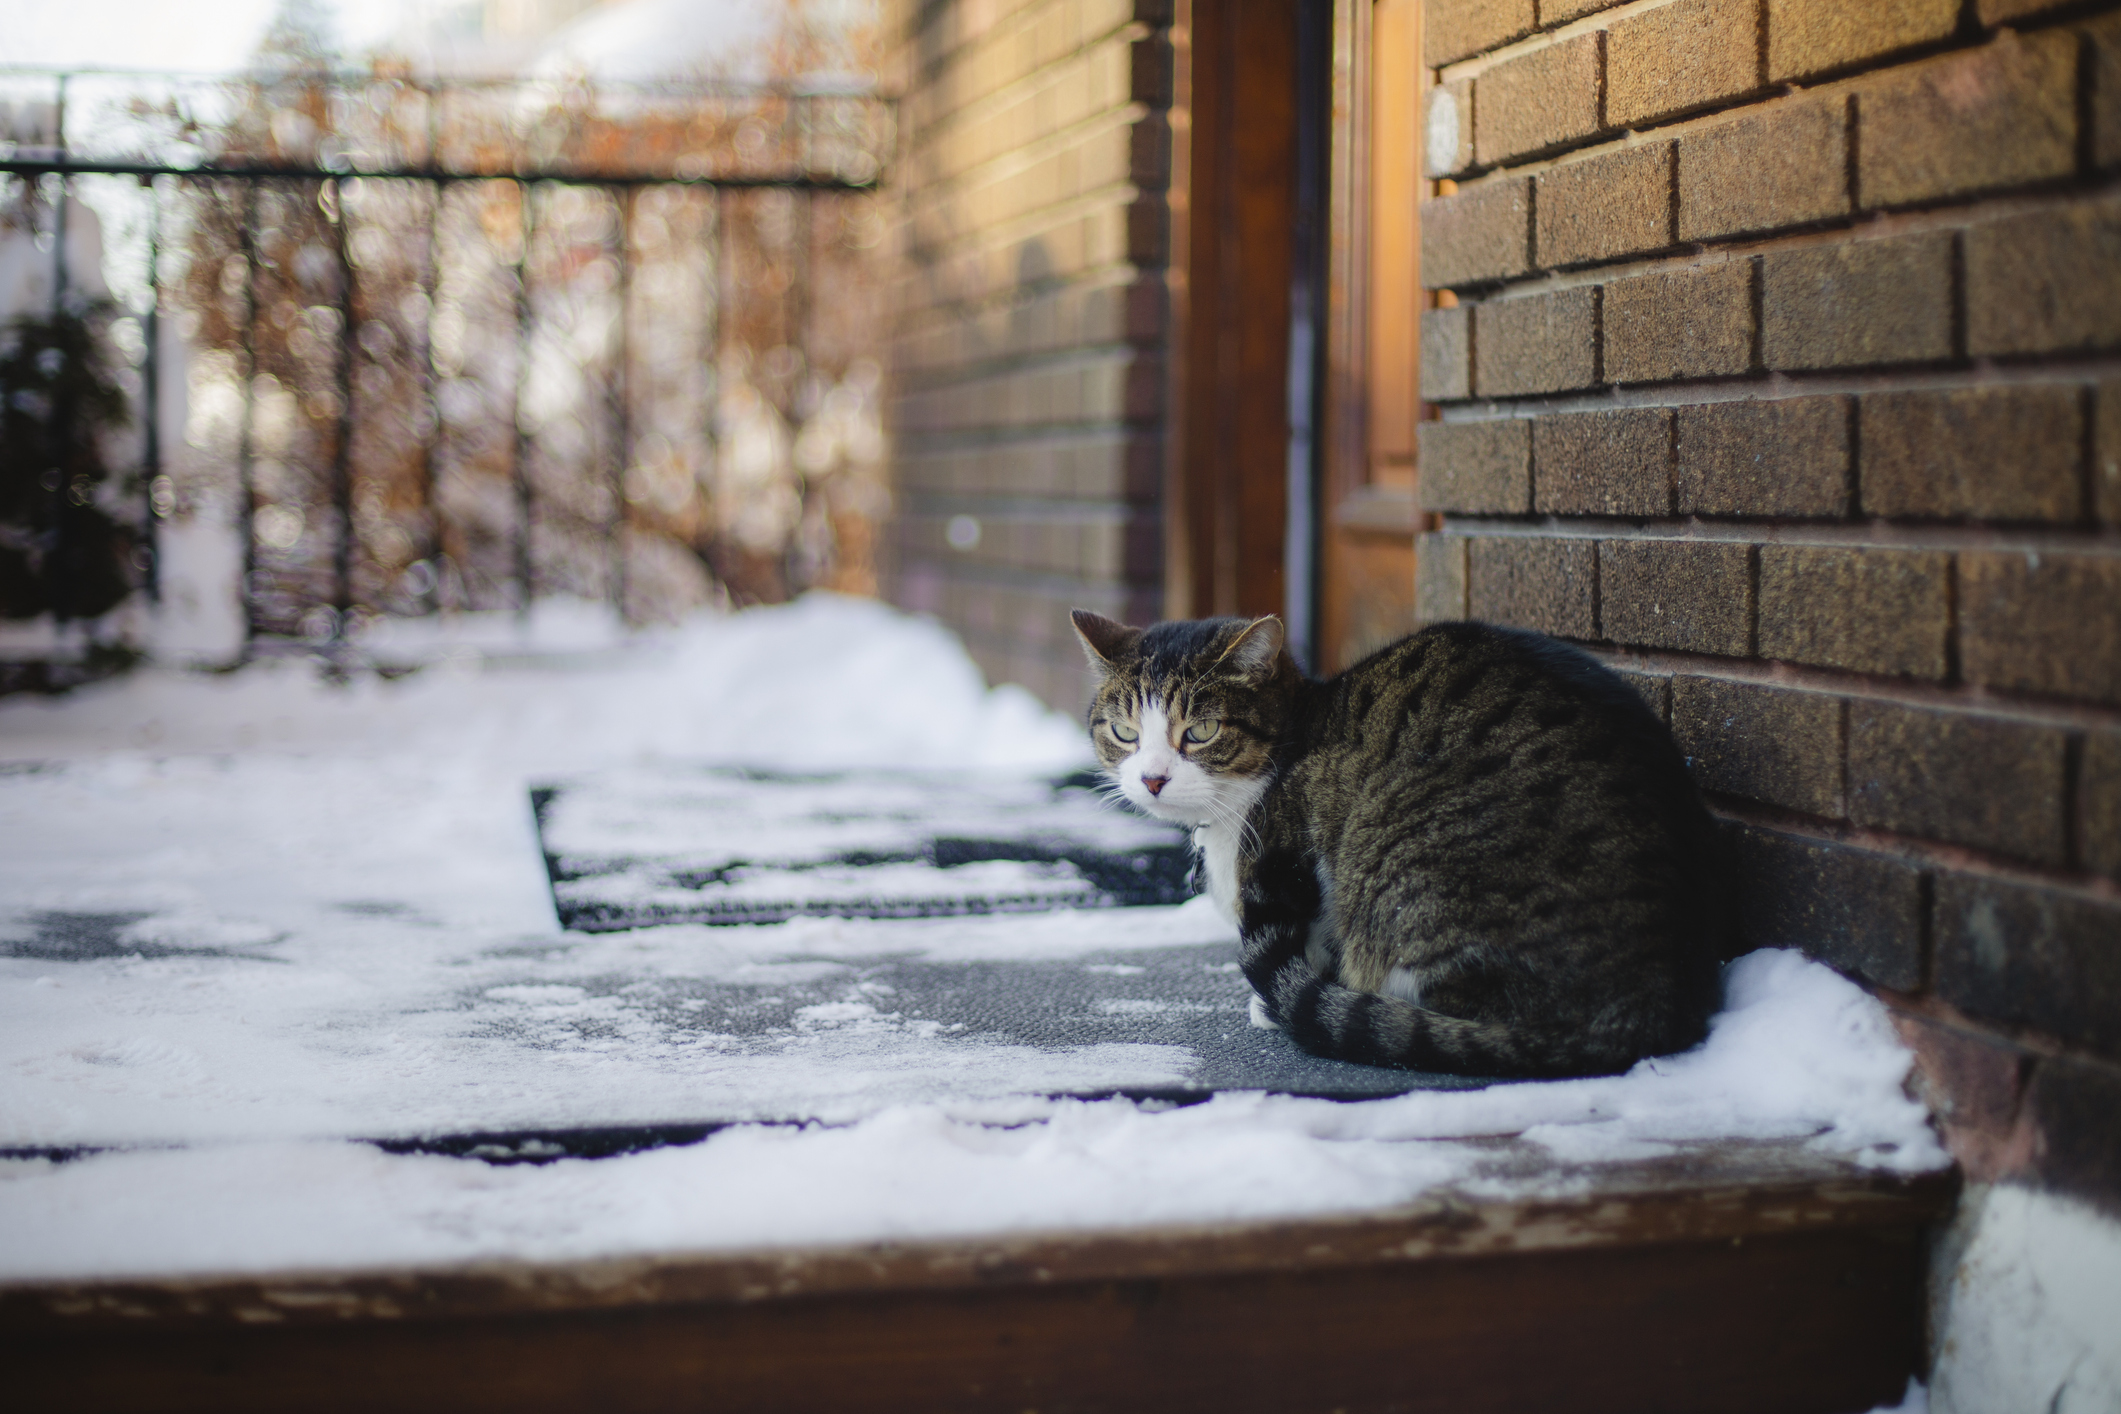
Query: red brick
2106,452
1851,908
1447,354
1477,468
1781,166
2000,116
1964,778
1811,37
2045,281
1479,233
1616,463
1615,204
2099,803
1685,55
1858,304
1692,595
1447,130
1680,323
1533,582
2024,955
1783,458
1439,578
1542,100
1864,609
2001,453
1762,743
2071,1105
2041,622
1457,29
1544,343
1974,1085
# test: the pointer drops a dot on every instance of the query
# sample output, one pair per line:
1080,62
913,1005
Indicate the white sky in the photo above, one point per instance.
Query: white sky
183,36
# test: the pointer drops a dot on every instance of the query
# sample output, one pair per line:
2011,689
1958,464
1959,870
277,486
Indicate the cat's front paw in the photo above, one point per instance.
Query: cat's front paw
1260,1016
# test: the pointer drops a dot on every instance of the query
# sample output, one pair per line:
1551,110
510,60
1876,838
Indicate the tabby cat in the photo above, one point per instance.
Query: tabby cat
1477,851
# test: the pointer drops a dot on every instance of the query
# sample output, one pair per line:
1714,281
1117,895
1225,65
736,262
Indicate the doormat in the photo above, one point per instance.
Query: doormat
1109,969
629,849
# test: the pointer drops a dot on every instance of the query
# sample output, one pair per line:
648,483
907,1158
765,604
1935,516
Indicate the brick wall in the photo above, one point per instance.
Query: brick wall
1779,357
1028,368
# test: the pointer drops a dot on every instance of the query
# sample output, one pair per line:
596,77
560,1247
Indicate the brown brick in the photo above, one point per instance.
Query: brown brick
1476,467
2045,281
1865,609
1545,343
1999,116
1447,354
1763,743
1788,457
1974,1085
1692,595
1655,689
1615,463
1617,203
1558,12
1684,55
1966,779
1439,578
1680,323
1479,233
2041,622
2001,12
2106,452
1782,166
1859,911
1811,37
1533,582
1545,99
2029,956
1447,130
2103,39
2099,803
1455,29
2005,453
1858,304
2071,1106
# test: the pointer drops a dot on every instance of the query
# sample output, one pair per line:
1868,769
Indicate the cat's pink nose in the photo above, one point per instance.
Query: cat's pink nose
1156,784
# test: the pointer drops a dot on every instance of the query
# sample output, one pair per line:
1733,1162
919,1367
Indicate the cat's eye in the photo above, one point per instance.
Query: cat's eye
1203,732
1122,732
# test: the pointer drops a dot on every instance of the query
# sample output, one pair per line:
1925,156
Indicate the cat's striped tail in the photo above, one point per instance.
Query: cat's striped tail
1330,1020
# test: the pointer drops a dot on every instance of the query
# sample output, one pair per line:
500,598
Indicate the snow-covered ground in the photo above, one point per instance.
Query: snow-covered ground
364,860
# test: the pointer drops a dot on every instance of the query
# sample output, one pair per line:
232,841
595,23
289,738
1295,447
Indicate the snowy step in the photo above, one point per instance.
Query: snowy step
1731,1277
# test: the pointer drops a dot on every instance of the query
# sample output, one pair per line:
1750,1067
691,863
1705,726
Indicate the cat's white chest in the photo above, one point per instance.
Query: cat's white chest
1218,861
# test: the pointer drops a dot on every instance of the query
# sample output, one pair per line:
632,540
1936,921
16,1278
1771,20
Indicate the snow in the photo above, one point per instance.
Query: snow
324,918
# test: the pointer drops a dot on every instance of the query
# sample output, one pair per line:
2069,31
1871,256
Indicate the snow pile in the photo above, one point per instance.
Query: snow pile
322,914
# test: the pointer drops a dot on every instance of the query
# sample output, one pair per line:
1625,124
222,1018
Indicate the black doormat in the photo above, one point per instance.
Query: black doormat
634,848
651,848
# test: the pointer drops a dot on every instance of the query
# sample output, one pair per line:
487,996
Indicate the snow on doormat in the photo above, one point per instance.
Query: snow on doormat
632,848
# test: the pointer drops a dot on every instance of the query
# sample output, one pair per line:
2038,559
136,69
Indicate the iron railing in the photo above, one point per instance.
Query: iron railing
461,345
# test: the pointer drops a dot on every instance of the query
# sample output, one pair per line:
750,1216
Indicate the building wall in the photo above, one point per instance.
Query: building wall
1781,365
1029,362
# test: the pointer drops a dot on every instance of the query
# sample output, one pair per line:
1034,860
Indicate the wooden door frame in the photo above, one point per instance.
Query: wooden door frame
1290,443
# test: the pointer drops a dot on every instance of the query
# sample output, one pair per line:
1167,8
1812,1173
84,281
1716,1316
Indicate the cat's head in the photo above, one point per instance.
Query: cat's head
1186,714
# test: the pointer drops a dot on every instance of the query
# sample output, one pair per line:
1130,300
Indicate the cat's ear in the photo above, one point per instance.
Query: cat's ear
1255,651
1103,639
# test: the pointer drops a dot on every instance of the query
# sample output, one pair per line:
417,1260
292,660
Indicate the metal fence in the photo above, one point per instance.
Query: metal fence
460,346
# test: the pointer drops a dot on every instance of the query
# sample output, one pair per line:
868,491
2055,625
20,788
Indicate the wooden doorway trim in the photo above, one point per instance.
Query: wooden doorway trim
1374,344
1243,266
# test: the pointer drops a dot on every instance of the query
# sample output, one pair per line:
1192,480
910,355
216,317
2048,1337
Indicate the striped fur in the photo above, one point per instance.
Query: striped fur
1476,851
